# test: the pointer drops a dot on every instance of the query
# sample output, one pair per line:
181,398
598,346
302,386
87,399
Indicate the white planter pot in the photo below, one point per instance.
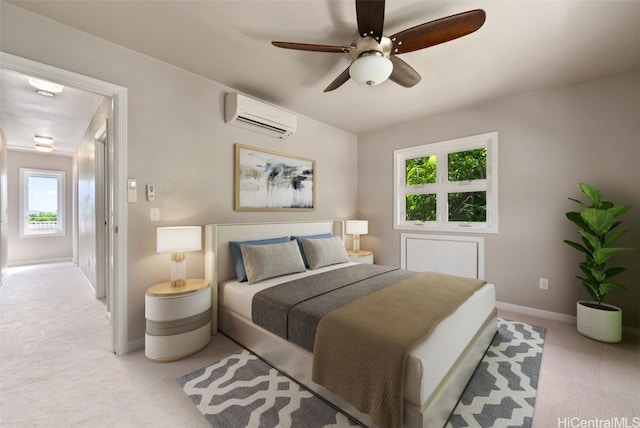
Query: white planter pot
604,325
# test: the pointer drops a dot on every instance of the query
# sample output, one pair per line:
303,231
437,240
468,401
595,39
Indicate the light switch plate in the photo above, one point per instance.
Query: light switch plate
154,214
132,190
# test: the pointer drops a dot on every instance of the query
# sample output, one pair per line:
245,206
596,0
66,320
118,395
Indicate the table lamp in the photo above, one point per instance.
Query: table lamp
357,228
179,240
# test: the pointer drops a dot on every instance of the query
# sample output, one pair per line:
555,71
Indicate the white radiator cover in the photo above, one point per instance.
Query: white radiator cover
453,255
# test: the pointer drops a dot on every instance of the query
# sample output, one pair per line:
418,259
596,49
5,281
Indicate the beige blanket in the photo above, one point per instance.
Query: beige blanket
361,349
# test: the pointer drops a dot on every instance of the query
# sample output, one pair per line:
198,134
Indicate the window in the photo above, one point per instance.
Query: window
448,186
42,200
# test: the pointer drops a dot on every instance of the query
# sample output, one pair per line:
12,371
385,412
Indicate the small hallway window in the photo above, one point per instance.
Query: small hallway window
42,201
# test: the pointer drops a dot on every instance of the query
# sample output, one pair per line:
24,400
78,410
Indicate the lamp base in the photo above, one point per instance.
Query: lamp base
178,270
176,283
356,242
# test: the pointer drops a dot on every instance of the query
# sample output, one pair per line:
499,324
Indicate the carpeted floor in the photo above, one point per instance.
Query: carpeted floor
56,368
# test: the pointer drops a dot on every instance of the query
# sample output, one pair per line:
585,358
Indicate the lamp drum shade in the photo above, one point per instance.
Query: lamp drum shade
357,227
179,239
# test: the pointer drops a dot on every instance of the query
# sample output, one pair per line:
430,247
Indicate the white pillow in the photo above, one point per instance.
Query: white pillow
324,252
267,261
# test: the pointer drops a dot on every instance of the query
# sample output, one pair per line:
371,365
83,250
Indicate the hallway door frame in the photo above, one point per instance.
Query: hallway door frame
117,259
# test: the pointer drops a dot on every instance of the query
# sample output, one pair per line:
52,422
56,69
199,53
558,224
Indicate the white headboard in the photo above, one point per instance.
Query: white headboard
218,266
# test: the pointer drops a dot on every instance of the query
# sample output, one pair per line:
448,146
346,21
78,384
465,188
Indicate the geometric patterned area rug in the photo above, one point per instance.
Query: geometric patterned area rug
241,390
502,390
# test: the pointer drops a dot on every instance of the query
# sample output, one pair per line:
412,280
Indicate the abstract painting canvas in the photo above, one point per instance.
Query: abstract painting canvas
270,181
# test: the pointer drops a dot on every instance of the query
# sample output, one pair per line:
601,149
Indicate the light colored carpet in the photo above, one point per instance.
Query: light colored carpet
56,369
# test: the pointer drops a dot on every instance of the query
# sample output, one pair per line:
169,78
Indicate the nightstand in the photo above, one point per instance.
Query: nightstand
360,256
178,320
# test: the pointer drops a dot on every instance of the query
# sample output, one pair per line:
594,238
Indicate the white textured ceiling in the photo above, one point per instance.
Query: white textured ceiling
24,114
523,46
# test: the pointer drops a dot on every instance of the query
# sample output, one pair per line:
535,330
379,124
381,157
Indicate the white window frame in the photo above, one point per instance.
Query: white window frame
60,230
444,186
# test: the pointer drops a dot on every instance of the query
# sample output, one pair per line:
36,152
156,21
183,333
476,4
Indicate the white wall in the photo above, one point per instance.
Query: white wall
4,228
87,189
549,141
177,140
34,249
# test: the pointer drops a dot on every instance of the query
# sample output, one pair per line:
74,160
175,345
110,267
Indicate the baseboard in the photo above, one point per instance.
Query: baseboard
630,331
540,313
134,345
89,283
39,262
554,316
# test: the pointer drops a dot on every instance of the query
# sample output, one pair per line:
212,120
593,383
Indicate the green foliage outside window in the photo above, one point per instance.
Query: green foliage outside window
43,217
468,206
421,170
467,165
421,207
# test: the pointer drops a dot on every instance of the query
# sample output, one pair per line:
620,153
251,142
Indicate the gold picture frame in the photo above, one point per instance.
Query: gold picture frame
272,181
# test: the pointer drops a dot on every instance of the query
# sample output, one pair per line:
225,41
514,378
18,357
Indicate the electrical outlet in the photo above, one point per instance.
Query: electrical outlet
544,283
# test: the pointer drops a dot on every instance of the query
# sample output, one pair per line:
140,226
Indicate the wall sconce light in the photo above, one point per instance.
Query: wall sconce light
179,240
357,228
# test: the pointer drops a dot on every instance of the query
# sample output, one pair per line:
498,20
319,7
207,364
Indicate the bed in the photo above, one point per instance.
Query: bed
437,369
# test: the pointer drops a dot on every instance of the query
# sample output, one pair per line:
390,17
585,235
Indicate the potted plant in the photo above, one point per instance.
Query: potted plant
595,223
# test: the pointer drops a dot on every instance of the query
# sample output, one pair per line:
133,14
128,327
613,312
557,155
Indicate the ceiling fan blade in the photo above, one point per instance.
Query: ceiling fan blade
403,74
342,78
370,15
312,47
438,31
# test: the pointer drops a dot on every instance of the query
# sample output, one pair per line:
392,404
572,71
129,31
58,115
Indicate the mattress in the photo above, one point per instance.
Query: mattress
430,359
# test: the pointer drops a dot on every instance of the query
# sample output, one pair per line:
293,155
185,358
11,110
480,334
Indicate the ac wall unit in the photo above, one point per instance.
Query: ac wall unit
257,116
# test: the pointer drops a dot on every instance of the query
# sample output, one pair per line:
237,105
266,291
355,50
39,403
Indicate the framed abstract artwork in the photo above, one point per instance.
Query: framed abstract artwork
271,181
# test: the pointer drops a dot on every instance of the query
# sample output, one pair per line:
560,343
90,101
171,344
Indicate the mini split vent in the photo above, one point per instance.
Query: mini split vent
257,116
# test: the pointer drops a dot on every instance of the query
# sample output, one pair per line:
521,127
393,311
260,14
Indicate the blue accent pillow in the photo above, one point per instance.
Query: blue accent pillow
300,238
236,253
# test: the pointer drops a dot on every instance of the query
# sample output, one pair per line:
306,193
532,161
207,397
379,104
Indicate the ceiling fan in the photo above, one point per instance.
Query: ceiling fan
374,55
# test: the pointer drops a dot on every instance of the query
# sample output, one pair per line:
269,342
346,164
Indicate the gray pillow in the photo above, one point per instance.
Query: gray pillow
324,252
268,261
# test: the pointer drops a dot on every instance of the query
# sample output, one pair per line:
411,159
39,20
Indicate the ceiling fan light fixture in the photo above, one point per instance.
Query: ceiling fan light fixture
45,85
371,68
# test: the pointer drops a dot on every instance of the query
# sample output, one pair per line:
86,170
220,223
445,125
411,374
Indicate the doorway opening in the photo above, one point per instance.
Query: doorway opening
113,203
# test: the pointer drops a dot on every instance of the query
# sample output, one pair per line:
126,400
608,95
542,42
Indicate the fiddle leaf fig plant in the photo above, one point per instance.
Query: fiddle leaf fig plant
596,222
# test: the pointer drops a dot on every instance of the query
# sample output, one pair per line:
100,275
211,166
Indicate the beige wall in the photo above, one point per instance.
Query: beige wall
177,140
549,141
32,249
